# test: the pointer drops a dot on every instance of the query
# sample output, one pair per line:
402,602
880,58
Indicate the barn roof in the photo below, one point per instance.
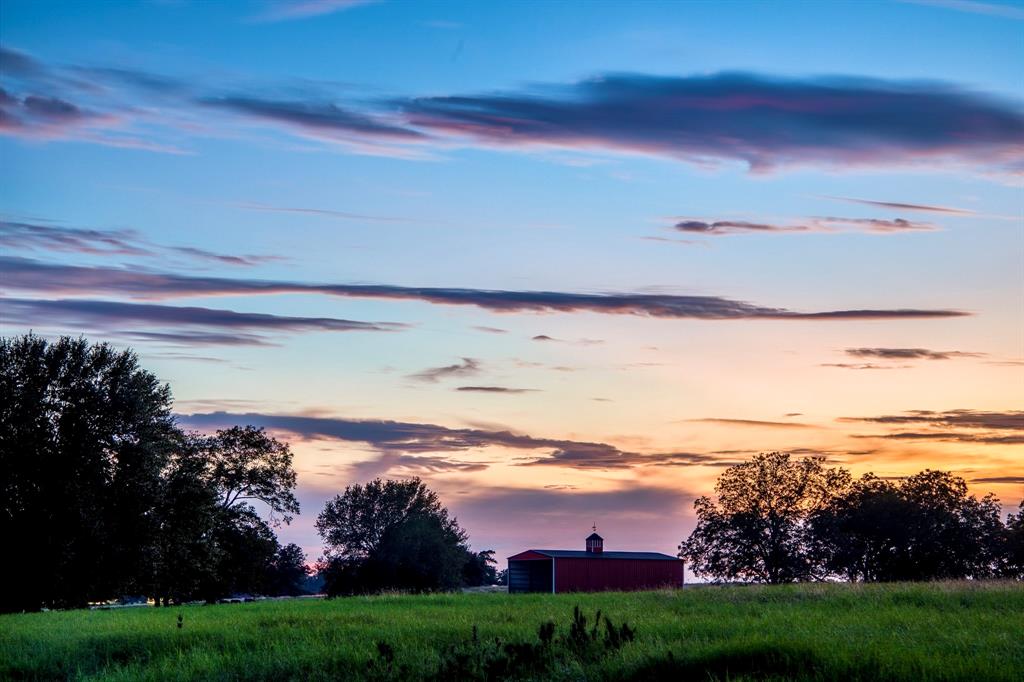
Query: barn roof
574,554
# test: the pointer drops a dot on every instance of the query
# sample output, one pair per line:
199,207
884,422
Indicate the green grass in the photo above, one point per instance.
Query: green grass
946,631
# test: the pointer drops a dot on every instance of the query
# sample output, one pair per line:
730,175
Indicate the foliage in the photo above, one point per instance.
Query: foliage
84,437
1013,553
110,498
479,569
777,519
395,535
247,464
756,531
288,572
956,632
925,527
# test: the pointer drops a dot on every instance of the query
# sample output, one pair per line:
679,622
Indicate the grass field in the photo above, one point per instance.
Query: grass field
949,631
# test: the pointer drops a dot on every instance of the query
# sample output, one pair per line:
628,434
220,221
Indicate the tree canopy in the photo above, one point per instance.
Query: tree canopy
102,496
755,531
395,535
778,519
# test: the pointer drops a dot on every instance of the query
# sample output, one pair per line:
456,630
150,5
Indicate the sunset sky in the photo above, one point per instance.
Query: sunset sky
564,261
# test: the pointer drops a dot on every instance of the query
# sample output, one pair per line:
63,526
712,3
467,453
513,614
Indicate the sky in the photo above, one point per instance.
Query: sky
563,261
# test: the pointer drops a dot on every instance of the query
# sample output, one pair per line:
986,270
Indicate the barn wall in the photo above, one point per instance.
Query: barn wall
533,575
595,575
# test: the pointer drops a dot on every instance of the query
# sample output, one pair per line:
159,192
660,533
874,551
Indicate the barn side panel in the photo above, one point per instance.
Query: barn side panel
596,575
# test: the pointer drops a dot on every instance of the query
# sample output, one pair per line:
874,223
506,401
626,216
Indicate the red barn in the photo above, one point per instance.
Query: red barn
593,570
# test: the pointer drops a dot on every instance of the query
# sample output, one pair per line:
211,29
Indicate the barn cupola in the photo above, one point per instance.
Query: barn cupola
595,543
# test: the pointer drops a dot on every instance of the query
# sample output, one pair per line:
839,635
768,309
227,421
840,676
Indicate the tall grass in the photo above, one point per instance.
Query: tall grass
941,631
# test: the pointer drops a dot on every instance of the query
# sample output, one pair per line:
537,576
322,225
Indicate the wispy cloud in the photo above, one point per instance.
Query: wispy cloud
22,235
822,224
291,10
974,7
1012,420
909,354
218,326
32,275
753,422
861,365
762,121
963,425
324,212
999,479
318,118
37,236
494,389
468,367
413,439
901,206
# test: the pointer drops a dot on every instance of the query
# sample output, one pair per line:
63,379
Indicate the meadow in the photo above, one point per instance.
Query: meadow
937,631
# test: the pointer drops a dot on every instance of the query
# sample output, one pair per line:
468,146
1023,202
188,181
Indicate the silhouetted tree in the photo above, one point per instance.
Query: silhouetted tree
924,527
479,569
85,435
390,535
756,531
248,465
1013,551
288,572
186,556
109,498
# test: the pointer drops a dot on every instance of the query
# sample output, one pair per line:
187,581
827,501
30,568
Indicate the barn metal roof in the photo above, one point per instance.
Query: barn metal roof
580,554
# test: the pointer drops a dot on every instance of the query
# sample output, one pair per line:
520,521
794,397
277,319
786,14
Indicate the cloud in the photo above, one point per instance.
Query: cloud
46,117
753,422
111,315
413,438
762,121
468,367
863,365
490,330
19,64
909,353
967,426
974,7
225,259
824,224
950,436
1011,420
329,213
20,235
999,479
32,275
322,119
494,389
23,235
289,10
905,207
543,337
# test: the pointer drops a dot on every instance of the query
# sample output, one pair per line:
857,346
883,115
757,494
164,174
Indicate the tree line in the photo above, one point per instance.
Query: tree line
778,519
102,496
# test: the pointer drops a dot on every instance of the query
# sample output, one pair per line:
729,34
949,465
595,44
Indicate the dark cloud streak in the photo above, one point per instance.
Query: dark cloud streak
31,275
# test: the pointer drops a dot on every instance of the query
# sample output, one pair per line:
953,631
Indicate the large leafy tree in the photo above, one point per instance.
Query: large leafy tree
390,534
247,465
924,527
103,496
1013,553
756,529
85,435
288,571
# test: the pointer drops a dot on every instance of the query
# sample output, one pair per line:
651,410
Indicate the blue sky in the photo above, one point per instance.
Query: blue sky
867,157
